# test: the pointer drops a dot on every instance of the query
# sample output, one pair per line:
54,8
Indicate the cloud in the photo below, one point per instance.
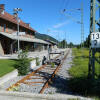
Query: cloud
60,24
56,31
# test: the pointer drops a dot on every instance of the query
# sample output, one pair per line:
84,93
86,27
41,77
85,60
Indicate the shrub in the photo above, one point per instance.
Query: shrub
23,63
37,61
52,65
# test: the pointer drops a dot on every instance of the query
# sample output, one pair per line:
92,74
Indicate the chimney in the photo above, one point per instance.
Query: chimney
2,8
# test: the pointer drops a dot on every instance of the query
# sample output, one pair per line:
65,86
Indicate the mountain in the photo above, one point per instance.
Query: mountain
44,37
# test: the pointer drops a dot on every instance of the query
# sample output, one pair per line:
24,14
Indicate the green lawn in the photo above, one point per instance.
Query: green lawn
6,66
79,82
80,63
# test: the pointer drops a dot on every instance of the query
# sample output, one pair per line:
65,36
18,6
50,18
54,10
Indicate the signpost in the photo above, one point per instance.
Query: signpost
95,37
95,40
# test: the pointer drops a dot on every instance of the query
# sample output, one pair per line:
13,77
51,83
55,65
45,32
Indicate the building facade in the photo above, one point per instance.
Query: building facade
9,37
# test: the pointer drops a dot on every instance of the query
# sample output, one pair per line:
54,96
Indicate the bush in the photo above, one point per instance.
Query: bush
52,65
37,61
23,63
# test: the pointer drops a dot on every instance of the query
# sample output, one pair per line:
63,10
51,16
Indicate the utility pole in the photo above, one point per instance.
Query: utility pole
81,22
94,27
58,39
65,40
82,26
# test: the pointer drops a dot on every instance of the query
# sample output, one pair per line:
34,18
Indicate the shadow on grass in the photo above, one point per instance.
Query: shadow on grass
84,86
78,57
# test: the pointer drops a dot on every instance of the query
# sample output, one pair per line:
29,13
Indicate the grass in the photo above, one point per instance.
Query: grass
80,63
79,82
74,99
6,66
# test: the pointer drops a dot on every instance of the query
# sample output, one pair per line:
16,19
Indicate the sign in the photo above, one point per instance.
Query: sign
95,40
20,33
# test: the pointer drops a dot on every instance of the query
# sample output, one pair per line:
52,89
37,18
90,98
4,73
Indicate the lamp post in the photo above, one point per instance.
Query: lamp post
16,10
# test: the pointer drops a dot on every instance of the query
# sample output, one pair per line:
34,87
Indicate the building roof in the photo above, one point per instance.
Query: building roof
11,18
22,38
52,42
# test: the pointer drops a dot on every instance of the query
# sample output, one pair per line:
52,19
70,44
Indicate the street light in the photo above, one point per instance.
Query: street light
16,10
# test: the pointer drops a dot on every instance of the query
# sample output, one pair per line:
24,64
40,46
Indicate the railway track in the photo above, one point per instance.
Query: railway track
40,79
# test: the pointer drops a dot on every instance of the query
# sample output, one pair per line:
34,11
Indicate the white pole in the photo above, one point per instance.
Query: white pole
18,33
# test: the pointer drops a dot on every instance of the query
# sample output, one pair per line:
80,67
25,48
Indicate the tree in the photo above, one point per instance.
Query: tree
87,42
63,44
71,44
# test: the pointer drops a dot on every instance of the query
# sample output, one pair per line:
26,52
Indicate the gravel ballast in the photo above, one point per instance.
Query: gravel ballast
59,84
25,87
57,87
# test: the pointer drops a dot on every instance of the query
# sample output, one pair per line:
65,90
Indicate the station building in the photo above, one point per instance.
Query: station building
53,45
9,37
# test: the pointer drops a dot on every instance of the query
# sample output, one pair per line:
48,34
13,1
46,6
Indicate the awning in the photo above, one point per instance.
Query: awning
22,38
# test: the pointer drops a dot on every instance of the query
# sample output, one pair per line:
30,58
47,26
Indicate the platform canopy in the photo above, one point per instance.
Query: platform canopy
52,42
23,38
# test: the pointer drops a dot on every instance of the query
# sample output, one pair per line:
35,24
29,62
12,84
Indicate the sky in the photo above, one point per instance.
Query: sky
47,17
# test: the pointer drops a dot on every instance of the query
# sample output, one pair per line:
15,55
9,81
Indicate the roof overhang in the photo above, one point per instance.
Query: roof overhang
8,17
51,42
22,38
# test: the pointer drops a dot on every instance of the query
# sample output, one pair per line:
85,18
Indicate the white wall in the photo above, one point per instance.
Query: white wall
1,49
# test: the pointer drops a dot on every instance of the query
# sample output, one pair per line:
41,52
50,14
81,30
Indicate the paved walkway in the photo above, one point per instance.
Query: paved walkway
31,54
31,96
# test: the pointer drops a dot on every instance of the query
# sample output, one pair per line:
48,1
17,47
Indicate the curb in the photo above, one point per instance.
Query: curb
8,76
31,96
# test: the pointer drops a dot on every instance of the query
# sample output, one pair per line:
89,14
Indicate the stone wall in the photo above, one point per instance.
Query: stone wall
1,49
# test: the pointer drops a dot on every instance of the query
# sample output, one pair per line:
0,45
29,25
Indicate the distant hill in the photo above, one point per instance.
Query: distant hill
44,37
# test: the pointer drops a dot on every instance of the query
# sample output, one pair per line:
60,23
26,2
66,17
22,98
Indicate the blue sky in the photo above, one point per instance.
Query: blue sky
45,17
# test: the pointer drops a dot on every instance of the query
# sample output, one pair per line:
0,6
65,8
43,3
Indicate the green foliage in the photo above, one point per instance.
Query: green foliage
80,63
44,37
96,98
23,63
37,61
15,88
87,42
78,46
74,99
79,81
71,44
6,66
62,44
85,86
52,65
